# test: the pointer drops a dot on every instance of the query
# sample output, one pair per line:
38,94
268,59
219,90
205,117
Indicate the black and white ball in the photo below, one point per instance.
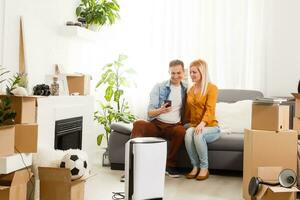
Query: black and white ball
76,164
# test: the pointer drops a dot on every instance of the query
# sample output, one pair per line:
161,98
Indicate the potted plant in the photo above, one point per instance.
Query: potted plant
98,12
114,108
7,117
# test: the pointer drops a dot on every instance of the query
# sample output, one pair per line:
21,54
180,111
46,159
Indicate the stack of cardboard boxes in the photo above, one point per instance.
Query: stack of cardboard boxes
16,145
269,145
297,112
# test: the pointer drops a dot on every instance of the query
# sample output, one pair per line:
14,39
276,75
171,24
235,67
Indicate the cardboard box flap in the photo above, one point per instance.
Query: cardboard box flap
4,187
6,179
296,95
15,178
21,177
17,96
75,74
282,189
75,182
261,192
84,179
270,132
269,174
6,126
54,174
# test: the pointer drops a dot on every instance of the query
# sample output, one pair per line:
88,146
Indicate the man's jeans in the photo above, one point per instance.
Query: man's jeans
196,145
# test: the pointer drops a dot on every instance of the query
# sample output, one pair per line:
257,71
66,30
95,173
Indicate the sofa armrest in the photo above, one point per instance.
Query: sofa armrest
122,127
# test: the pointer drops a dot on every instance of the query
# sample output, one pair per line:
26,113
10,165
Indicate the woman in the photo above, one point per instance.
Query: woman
200,115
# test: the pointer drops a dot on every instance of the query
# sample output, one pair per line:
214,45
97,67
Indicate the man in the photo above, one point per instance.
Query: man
164,116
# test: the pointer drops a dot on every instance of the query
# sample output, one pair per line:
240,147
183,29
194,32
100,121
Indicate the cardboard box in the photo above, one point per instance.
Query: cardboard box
267,148
297,104
26,138
296,126
14,186
56,184
270,174
25,107
272,117
14,162
78,83
7,140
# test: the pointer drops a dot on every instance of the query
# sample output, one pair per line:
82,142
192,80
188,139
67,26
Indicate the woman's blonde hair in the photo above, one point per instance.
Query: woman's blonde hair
202,68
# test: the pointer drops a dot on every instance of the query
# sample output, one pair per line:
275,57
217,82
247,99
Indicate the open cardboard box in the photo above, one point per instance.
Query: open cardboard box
268,148
270,117
7,140
24,106
78,83
270,174
26,138
56,184
13,186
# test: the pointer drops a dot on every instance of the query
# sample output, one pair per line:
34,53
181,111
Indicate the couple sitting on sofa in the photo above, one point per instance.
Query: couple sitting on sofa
173,109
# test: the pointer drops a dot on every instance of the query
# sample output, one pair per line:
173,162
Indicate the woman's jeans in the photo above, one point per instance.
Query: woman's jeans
196,145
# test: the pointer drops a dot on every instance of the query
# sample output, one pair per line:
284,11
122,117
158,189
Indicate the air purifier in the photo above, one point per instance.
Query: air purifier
145,164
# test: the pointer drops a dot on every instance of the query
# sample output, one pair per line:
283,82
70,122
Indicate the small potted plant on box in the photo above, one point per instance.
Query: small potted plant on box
114,108
98,12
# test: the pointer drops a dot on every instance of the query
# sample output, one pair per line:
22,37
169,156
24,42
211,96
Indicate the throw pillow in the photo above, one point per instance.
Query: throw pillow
234,117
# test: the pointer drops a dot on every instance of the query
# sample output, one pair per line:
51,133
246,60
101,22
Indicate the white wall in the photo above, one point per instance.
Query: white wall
46,43
283,46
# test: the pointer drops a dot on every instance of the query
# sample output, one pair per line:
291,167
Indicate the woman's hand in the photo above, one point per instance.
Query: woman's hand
199,128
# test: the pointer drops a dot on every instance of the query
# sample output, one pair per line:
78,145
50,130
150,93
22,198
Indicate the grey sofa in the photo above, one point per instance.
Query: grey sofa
226,153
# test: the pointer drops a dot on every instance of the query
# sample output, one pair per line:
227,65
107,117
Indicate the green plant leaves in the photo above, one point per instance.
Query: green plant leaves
7,116
98,12
99,139
108,93
13,83
3,72
117,95
104,76
78,11
113,79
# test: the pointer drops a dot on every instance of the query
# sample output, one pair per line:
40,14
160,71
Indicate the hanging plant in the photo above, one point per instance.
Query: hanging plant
98,12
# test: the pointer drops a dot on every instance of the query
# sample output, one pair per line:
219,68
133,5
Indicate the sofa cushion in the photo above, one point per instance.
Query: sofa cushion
122,127
228,142
234,117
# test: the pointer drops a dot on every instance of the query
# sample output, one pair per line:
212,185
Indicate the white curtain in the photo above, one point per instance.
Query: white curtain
228,34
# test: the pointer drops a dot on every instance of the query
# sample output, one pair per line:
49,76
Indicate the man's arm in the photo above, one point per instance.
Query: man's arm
155,112
154,109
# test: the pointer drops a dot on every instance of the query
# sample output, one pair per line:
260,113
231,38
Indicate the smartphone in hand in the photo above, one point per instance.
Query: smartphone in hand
168,102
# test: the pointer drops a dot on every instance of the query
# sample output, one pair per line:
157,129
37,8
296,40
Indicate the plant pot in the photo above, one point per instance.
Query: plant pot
105,158
94,27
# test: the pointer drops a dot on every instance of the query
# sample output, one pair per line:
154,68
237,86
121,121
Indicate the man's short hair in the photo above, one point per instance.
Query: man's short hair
175,63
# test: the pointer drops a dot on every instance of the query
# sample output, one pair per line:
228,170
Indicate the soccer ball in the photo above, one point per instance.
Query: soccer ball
75,163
